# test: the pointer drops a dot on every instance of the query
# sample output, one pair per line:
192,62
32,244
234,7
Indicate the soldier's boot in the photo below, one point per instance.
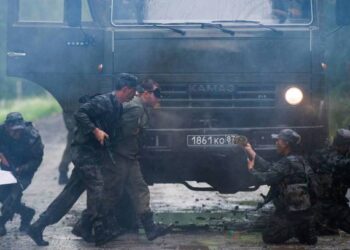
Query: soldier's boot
153,230
2,226
27,215
102,234
309,237
63,178
35,232
83,228
114,227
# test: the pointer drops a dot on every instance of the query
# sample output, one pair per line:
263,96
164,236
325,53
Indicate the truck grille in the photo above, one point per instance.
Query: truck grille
218,95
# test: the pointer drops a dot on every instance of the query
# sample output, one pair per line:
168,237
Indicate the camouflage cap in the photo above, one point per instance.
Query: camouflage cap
342,137
14,121
289,136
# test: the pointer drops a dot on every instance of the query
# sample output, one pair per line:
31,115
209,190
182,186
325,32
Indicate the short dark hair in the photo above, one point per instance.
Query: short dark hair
125,80
147,85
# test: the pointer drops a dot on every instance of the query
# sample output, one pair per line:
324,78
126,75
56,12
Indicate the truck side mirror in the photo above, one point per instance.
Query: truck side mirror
72,12
342,12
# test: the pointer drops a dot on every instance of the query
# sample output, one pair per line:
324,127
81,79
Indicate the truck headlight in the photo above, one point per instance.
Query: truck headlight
294,96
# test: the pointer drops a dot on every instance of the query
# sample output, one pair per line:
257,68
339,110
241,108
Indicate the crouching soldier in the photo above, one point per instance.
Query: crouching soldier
332,168
289,191
21,152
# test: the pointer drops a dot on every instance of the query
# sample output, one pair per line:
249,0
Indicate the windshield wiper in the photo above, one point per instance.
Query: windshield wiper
165,26
206,26
217,26
247,21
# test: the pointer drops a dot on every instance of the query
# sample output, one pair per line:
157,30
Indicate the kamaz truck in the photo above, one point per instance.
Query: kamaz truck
225,67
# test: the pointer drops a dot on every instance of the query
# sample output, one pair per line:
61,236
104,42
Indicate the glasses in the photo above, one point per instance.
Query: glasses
156,92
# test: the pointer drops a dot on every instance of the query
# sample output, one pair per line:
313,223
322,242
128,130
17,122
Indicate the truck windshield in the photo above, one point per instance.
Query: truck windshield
272,12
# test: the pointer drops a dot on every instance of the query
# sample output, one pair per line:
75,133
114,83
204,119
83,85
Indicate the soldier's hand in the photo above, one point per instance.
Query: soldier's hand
250,151
100,135
4,161
250,164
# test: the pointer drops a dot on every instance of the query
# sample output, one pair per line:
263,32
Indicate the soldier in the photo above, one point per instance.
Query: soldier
332,167
289,191
21,152
125,175
97,121
135,120
66,159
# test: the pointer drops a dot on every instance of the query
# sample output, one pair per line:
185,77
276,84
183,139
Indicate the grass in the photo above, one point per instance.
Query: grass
31,108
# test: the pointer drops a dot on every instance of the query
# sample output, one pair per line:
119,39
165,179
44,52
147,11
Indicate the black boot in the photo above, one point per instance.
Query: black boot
307,236
2,227
102,235
27,215
63,178
35,231
153,230
114,227
83,228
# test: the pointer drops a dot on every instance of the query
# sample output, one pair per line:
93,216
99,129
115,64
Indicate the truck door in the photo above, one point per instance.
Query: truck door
44,46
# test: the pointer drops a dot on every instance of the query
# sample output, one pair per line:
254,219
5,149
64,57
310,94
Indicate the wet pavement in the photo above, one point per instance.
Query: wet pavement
203,220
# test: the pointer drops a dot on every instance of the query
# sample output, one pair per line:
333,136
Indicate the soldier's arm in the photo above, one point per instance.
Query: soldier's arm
261,164
88,112
131,119
36,157
340,165
272,175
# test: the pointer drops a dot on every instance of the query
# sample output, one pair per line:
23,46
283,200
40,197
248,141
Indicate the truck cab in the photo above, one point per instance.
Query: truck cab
225,67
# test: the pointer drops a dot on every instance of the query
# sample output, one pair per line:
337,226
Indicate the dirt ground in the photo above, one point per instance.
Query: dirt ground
203,220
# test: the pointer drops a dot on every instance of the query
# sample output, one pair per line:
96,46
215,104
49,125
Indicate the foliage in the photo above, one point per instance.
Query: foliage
31,108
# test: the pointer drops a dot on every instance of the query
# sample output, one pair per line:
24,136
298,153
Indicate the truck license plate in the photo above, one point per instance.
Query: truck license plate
210,140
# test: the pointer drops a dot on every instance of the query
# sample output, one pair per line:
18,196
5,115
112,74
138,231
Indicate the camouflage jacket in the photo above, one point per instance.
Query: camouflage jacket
102,111
24,154
134,120
333,173
288,171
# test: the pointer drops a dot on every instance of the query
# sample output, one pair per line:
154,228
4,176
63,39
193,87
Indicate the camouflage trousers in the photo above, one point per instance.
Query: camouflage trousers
125,178
10,197
284,226
332,216
84,177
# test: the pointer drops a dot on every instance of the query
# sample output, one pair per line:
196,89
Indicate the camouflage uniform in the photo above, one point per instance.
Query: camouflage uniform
128,172
24,156
102,111
333,173
290,194
127,175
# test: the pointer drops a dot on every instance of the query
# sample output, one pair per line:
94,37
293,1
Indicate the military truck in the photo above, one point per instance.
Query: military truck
226,68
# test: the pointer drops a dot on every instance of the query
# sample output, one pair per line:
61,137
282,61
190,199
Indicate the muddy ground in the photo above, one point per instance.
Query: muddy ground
204,220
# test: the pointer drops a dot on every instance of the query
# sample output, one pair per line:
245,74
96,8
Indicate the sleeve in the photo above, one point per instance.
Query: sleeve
340,165
261,164
36,156
318,159
273,175
88,112
131,119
